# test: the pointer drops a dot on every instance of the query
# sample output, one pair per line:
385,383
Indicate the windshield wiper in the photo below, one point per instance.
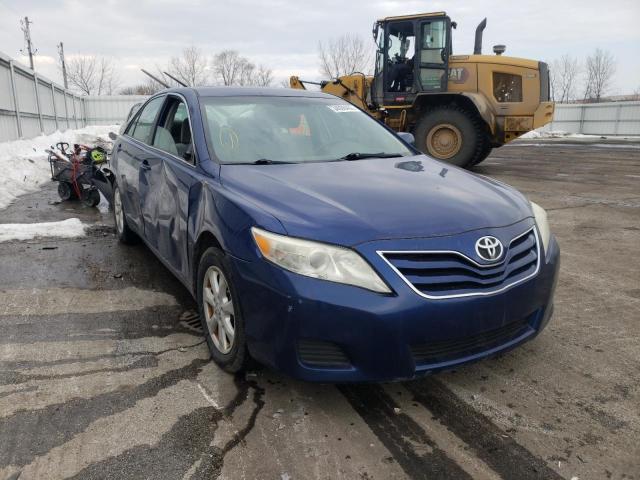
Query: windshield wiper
361,155
266,161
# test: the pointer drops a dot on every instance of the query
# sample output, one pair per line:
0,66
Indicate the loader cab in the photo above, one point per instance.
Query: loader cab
412,57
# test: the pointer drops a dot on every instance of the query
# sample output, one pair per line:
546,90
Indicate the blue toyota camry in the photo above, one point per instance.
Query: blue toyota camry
320,243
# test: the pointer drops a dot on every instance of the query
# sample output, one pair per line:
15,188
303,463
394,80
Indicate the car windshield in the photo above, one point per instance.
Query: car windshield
266,130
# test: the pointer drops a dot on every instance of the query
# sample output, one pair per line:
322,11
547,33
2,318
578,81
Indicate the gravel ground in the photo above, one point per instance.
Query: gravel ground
104,374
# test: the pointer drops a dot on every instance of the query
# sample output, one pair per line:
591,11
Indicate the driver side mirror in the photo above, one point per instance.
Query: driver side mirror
408,138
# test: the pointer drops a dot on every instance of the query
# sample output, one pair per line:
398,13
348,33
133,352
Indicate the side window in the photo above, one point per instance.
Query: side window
146,119
173,134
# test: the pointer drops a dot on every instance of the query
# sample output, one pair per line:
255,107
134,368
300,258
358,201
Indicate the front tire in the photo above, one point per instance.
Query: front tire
451,134
220,315
123,232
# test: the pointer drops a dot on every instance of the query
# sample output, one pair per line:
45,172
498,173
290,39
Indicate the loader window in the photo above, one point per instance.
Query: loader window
434,41
401,47
433,55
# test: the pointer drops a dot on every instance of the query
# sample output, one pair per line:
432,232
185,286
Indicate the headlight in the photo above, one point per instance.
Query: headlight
318,260
540,215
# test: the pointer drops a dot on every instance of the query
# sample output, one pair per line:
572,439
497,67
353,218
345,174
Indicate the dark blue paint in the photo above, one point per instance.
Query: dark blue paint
379,204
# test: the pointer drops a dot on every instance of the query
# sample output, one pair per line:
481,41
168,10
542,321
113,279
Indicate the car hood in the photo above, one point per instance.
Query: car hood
351,202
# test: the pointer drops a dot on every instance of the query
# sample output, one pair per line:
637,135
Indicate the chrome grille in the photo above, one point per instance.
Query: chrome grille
451,274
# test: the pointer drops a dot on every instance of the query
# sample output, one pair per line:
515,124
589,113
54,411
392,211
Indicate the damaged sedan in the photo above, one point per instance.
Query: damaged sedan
320,243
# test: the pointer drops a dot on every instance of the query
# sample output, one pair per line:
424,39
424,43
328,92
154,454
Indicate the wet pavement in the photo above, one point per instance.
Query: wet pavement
104,372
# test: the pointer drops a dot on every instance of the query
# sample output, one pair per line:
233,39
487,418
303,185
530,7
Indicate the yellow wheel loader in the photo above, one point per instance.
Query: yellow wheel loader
458,107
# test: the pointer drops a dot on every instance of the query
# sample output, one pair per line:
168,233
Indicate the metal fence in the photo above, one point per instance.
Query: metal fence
31,104
109,109
615,118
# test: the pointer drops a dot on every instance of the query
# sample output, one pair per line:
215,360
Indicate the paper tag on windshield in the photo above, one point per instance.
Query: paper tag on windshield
342,108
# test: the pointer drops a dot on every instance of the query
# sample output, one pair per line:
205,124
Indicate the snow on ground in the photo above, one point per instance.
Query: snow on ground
23,163
69,228
562,134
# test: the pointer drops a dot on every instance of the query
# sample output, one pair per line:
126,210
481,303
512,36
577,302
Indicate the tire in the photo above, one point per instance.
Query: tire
123,232
65,191
484,154
91,198
451,134
219,311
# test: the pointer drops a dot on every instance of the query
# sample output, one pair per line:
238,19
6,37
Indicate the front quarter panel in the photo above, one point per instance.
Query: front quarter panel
229,216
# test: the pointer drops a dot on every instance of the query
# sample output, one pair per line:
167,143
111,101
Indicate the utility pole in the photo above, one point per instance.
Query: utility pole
27,38
63,65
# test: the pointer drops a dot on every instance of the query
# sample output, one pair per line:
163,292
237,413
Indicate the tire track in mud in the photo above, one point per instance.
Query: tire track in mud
418,454
490,444
402,435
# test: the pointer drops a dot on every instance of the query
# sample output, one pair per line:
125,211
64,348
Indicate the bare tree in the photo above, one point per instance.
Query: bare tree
344,55
600,69
92,75
190,67
263,77
148,87
564,76
230,68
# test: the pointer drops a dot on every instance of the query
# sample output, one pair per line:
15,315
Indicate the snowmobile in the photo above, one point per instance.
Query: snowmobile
80,172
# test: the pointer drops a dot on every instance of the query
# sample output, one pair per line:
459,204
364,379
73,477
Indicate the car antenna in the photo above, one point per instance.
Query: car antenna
175,79
155,78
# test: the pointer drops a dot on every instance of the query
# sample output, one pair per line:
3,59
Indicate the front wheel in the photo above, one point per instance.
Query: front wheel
451,134
220,315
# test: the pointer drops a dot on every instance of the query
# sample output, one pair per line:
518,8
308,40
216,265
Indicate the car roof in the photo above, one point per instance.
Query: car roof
249,92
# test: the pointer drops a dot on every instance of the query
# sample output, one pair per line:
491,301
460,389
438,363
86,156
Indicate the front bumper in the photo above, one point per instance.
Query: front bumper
382,335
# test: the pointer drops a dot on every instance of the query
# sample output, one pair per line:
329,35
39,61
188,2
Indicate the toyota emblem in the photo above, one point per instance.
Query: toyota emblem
489,248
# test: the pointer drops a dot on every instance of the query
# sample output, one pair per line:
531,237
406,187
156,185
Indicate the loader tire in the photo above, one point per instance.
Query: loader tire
451,134
485,153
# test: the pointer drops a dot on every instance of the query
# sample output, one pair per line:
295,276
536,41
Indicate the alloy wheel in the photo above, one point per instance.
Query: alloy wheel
218,309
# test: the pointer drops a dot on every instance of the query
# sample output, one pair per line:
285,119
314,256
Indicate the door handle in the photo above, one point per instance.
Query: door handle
145,165
119,149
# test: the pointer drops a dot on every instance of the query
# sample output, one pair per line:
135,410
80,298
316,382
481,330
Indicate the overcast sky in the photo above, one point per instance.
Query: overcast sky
284,34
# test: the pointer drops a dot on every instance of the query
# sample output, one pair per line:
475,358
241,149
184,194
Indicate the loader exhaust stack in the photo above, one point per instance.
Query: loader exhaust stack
477,48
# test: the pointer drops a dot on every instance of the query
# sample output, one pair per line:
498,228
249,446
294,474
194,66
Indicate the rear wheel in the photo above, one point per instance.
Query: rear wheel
451,134
220,314
124,233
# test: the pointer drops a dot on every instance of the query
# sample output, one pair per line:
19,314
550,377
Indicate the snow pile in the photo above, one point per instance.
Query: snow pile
24,165
69,228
